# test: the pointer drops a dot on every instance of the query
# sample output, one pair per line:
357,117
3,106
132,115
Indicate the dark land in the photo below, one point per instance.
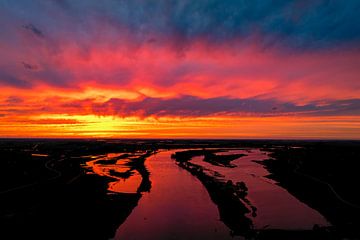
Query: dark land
47,192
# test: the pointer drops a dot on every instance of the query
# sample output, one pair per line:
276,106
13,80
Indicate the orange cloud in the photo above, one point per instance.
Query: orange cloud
227,90
91,126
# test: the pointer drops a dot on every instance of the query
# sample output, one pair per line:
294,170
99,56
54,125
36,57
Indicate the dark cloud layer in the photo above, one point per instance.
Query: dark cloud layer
194,106
295,24
10,80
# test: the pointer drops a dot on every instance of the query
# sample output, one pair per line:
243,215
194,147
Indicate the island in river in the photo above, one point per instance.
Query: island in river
178,189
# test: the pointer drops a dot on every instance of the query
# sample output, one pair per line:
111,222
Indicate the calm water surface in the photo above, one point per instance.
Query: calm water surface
177,207
276,208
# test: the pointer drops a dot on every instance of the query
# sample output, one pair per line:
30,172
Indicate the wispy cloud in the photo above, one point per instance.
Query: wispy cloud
34,30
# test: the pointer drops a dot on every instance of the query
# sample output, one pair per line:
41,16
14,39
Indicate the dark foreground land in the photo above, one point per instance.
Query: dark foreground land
49,189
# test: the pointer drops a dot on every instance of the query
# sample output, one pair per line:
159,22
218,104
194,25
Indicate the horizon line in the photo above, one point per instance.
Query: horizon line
178,139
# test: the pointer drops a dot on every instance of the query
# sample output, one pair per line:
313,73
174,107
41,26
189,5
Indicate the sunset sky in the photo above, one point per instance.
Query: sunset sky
180,69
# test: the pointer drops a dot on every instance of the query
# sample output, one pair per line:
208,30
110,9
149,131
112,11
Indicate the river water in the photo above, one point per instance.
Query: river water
178,206
276,208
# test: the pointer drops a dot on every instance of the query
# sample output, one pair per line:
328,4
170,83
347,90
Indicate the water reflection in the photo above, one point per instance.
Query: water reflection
276,208
209,194
178,207
126,171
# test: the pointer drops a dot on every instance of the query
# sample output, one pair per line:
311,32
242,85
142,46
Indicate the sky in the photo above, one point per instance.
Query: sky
180,69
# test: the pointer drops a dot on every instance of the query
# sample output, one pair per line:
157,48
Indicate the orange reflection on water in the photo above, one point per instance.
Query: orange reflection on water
129,185
124,178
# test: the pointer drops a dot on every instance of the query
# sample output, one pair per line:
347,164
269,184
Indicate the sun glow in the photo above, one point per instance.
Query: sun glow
94,126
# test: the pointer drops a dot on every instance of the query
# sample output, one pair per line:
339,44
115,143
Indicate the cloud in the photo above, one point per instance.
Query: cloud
29,66
14,100
290,24
196,107
34,30
9,80
50,121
